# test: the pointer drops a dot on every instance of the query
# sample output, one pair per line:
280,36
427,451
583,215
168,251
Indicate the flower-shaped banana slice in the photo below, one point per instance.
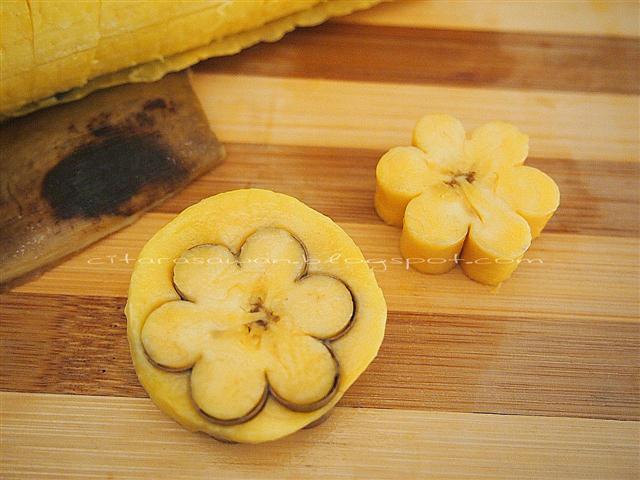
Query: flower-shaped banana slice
250,315
464,200
251,325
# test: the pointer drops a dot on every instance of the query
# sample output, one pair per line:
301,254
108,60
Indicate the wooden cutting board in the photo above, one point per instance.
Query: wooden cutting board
538,379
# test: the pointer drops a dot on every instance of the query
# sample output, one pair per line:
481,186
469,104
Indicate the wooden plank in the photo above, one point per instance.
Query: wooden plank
598,198
617,18
64,436
464,363
563,277
449,57
288,111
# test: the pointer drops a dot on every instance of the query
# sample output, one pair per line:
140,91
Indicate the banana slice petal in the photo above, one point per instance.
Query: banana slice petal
402,174
495,145
441,138
531,193
228,383
435,226
275,254
497,239
175,335
320,306
303,374
206,273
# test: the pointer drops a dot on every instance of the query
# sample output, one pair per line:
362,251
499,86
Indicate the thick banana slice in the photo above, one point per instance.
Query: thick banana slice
468,201
250,315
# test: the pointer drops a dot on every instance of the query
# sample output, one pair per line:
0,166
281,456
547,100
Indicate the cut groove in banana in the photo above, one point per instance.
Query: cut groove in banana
241,314
244,337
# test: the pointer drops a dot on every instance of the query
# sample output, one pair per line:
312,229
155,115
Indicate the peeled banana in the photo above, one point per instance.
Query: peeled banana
53,51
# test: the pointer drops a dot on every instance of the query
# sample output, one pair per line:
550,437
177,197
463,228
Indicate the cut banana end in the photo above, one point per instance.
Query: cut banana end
402,174
482,258
470,201
261,315
435,227
531,193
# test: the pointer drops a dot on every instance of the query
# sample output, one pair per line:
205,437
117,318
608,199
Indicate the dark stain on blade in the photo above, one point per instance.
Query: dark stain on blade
157,103
101,176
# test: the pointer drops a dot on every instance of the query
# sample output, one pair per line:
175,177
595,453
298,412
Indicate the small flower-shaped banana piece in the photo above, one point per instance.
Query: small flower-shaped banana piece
465,200
250,326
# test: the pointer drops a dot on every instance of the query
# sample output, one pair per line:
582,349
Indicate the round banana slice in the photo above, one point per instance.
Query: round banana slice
250,314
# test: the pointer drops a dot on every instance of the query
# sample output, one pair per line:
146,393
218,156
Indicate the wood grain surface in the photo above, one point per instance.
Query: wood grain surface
419,56
114,437
537,379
